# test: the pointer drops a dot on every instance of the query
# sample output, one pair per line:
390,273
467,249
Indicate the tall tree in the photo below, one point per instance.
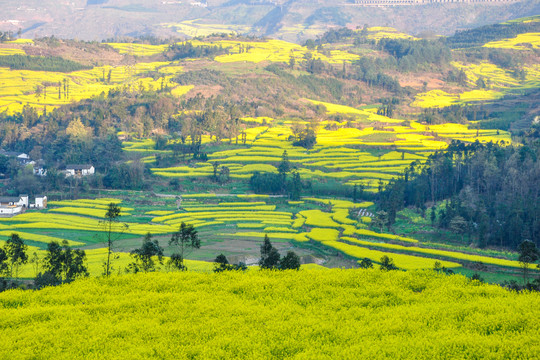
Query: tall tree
185,240
4,262
62,264
528,254
53,260
113,230
284,166
15,249
269,255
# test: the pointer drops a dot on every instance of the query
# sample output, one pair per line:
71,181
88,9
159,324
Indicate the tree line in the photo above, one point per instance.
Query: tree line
185,50
484,34
486,192
41,63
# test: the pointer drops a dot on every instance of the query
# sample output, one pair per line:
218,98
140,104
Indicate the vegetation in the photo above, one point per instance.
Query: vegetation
491,189
223,305
40,63
361,137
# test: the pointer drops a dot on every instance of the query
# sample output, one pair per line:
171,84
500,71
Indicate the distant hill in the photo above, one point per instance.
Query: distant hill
293,20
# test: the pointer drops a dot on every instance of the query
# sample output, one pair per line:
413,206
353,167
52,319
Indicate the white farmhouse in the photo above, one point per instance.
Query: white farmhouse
79,170
10,210
41,202
21,200
13,205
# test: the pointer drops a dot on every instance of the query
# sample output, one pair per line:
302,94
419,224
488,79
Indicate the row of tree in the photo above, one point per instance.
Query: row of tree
489,192
41,63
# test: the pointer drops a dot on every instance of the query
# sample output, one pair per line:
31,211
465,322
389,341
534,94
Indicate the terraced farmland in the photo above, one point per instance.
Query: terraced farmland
351,153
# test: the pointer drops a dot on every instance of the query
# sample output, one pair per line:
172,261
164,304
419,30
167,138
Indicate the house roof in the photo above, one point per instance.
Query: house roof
8,199
78,167
9,153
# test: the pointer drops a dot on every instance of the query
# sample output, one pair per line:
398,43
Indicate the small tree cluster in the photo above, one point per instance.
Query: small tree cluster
271,260
387,264
145,255
221,264
61,264
13,255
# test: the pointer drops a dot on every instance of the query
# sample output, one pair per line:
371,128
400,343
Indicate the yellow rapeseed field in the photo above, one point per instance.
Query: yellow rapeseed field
332,314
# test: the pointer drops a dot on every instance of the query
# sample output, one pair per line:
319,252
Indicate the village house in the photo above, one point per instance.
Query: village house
13,205
40,202
79,170
22,158
21,200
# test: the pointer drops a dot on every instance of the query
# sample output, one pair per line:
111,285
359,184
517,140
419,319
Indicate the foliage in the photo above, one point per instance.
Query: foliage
419,311
184,241
16,251
144,256
188,50
528,254
4,265
41,63
61,264
387,263
270,258
366,263
413,53
491,187
222,264
488,33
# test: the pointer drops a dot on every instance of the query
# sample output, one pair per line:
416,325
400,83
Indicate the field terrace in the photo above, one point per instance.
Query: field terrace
371,150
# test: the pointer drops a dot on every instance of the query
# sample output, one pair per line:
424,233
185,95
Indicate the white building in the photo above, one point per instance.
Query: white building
10,201
10,210
40,202
79,170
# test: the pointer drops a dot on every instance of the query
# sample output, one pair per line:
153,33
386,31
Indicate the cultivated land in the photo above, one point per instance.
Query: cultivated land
400,171
331,314
356,146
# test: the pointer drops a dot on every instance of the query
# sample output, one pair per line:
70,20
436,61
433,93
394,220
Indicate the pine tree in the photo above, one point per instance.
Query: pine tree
269,255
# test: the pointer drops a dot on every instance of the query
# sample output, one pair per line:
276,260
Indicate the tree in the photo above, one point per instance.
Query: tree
366,263
269,255
284,166
387,263
52,263
185,240
221,263
111,228
291,261
62,264
76,267
4,266
306,139
295,188
380,220
292,61
145,255
433,215
528,254
458,225
15,249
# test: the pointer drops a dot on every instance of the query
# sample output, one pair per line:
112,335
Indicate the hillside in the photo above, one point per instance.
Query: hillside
332,314
316,145
293,20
